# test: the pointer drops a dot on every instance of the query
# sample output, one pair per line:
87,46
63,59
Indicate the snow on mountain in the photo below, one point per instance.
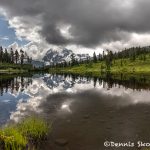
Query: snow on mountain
53,56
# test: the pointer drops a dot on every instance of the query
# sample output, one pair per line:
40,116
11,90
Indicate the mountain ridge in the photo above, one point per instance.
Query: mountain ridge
53,56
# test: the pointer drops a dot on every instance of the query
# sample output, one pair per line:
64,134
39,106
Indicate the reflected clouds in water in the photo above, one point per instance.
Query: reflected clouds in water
33,96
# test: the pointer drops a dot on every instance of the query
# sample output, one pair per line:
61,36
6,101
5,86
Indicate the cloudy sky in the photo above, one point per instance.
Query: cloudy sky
80,25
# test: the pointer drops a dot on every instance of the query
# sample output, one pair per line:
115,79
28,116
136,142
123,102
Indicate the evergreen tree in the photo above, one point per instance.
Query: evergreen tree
103,55
99,57
16,56
94,58
1,54
73,61
6,56
109,59
21,56
12,55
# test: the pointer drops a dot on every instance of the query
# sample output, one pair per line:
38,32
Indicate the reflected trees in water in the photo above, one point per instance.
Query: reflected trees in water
20,83
14,84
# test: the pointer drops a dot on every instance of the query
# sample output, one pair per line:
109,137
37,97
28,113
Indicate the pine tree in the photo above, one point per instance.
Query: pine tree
12,55
109,59
94,58
103,55
22,56
6,56
16,56
1,54
73,61
99,57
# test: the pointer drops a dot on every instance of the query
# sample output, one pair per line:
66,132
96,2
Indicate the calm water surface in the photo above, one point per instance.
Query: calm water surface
85,112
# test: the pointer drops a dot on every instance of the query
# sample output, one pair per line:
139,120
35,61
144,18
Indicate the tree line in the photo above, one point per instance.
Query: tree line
108,57
14,56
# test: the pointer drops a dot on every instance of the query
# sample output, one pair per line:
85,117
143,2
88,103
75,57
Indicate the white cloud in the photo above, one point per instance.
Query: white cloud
134,40
64,30
4,38
29,31
3,12
28,28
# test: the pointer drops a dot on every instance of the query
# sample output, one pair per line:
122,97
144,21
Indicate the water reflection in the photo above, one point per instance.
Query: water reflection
95,117
12,91
14,84
31,98
76,104
53,82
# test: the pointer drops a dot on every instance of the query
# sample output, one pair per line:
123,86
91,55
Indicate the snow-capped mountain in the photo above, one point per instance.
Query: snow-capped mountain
65,55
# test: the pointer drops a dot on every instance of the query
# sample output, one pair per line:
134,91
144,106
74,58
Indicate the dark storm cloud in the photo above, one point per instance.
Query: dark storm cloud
92,21
53,35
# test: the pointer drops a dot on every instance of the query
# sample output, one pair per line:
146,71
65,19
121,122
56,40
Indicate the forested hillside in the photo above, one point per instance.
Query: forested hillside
132,60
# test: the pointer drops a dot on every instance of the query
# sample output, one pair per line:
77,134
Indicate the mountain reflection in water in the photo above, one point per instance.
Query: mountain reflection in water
87,111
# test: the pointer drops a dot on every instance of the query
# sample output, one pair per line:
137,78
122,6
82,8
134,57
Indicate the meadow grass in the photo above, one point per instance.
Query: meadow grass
28,132
125,66
15,68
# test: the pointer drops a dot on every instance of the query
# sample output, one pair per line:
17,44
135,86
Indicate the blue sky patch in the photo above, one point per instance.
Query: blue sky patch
7,34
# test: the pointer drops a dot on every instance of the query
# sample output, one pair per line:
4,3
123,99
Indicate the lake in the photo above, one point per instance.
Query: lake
85,111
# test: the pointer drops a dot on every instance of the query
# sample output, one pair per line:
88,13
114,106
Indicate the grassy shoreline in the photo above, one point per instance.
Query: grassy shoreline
19,69
14,68
25,135
118,67
12,71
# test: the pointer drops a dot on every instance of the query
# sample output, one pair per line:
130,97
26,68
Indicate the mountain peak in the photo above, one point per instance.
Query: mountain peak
53,56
